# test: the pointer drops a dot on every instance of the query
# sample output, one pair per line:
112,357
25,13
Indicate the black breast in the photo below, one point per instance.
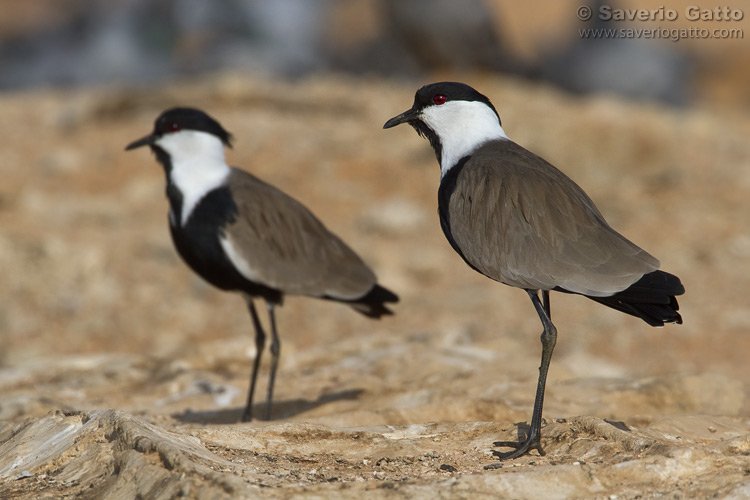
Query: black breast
198,243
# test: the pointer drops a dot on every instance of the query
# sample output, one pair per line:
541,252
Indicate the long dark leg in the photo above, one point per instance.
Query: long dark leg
549,338
275,352
260,344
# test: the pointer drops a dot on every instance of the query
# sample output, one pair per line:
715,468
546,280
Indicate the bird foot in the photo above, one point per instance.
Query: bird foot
521,448
247,416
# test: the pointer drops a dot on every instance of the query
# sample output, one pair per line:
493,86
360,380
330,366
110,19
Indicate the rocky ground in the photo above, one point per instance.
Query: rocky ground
122,374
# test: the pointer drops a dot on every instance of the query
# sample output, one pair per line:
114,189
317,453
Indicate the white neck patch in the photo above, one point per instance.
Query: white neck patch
198,166
461,126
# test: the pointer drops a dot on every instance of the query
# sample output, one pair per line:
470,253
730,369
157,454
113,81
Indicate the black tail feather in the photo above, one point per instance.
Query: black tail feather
372,305
651,298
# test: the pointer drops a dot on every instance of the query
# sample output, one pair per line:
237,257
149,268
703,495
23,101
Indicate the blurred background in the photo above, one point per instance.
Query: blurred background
97,310
78,42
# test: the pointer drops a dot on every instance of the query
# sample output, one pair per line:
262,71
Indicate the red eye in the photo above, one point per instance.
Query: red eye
439,99
173,127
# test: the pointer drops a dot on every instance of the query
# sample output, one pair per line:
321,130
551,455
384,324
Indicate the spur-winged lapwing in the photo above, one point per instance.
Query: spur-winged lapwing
243,235
517,219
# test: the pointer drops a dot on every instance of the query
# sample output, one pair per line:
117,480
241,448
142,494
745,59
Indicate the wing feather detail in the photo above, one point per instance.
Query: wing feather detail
276,241
519,220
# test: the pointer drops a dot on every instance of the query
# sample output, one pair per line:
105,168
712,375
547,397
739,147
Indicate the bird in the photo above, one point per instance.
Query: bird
241,234
517,219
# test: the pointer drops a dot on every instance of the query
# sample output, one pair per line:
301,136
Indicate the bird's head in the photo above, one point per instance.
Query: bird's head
185,133
454,117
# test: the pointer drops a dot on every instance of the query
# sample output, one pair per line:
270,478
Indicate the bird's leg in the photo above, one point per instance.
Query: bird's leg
275,351
549,338
260,343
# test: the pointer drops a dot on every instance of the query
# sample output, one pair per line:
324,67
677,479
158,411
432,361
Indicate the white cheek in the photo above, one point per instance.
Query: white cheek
462,126
198,165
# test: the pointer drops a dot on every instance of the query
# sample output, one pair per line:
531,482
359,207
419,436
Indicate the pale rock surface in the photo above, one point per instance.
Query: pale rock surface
122,374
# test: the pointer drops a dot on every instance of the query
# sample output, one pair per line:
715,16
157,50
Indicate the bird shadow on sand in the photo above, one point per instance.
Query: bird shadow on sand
523,428
280,411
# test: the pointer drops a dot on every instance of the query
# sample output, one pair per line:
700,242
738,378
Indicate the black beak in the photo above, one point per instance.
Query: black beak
409,115
143,141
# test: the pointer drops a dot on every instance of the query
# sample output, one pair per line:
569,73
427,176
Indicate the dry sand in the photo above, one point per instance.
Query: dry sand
122,374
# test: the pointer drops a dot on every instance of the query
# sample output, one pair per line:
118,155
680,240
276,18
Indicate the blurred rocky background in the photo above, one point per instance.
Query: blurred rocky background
78,42
122,375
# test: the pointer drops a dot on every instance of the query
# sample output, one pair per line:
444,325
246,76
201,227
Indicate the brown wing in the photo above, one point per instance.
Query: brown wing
278,242
521,221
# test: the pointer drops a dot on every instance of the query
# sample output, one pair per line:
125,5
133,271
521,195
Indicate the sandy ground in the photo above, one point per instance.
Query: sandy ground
122,374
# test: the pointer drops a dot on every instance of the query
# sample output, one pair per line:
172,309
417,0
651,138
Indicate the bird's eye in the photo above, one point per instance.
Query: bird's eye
439,99
173,127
